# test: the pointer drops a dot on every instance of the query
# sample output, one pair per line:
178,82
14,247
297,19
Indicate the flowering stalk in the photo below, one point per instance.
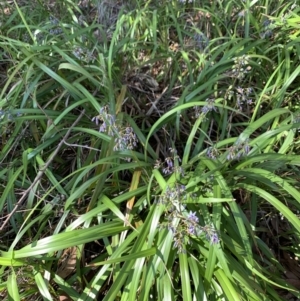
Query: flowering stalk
124,136
187,224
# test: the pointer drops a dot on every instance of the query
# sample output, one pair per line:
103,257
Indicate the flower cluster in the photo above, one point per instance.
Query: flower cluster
107,122
83,54
53,21
124,137
242,96
212,153
210,106
241,67
171,164
181,223
210,234
173,197
201,41
207,108
238,150
267,30
56,30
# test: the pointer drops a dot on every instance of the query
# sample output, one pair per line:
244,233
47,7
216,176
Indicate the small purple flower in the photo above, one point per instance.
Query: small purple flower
214,239
169,162
96,120
238,155
192,217
246,148
102,128
191,230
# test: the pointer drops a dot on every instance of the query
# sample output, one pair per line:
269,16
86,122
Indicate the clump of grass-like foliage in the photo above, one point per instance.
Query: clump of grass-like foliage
149,150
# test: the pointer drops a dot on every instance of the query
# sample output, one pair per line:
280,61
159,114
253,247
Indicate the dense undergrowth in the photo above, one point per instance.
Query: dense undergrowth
149,150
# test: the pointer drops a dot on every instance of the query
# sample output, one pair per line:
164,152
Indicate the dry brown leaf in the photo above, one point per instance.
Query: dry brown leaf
64,298
67,263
